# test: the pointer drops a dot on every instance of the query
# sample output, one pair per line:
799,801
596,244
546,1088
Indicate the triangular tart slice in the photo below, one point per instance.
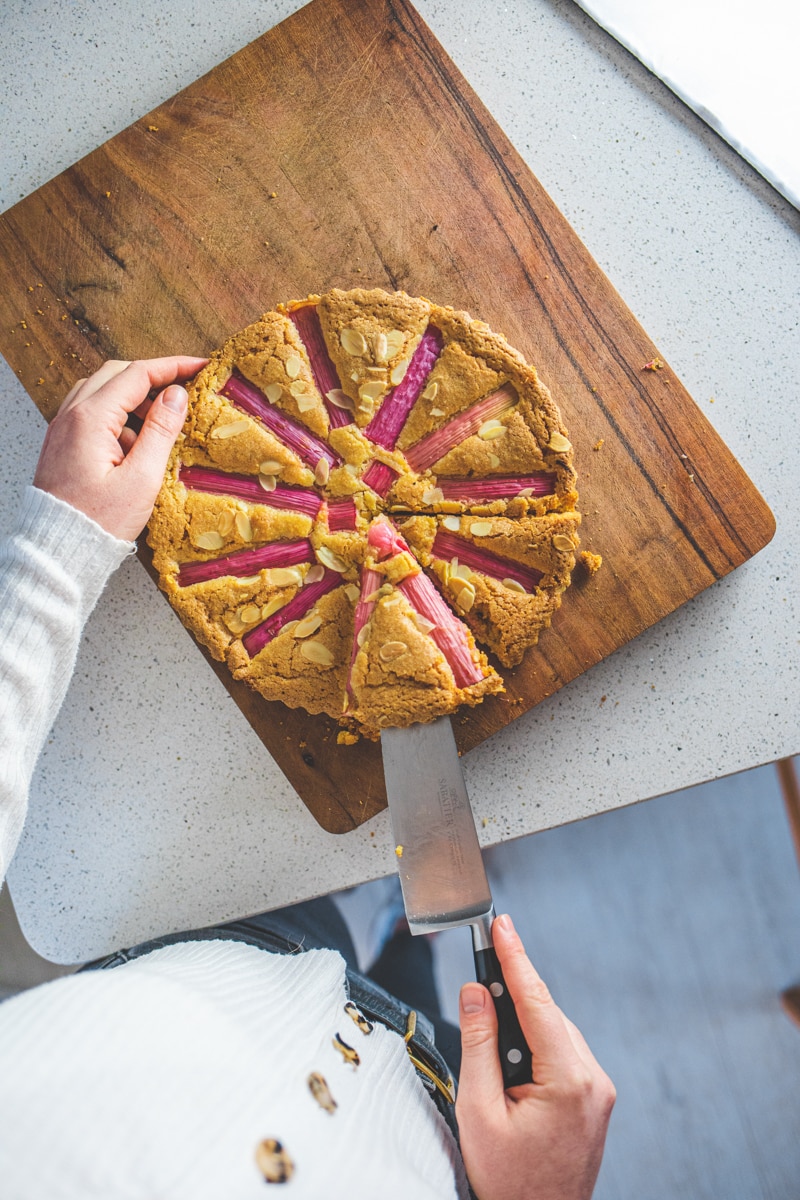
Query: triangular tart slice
504,577
305,665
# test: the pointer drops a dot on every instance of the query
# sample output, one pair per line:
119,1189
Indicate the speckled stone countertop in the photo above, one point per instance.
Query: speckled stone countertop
154,807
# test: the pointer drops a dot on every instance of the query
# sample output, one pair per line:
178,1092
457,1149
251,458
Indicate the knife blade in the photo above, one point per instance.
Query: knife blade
440,864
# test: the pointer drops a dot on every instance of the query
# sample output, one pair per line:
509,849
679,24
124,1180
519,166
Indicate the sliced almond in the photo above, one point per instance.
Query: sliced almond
398,371
230,430
330,559
391,650
293,366
494,461
234,623
210,540
244,526
273,392
423,624
456,583
437,412
272,606
355,376
480,528
314,573
559,443
432,495
317,653
352,593
307,625
306,401
561,542
246,581
371,391
270,466
225,523
298,387
395,340
452,523
431,391
267,482
339,399
491,435
466,597
525,493
250,613
284,576
381,347
322,472
353,342
513,586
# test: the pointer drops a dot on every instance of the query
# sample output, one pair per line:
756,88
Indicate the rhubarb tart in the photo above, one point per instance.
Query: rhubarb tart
369,494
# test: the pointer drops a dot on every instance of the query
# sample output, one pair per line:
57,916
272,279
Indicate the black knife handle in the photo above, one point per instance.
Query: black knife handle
515,1057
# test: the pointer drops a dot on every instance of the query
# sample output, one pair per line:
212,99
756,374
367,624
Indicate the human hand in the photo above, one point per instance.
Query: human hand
91,459
542,1140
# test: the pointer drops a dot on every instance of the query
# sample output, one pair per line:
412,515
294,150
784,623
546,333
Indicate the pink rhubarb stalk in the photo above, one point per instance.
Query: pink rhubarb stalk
302,441
384,428
448,633
385,539
435,445
341,514
448,546
499,487
301,603
379,477
370,582
306,321
246,562
247,487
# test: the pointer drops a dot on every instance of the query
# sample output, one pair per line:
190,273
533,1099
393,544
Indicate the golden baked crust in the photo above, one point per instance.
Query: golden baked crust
366,485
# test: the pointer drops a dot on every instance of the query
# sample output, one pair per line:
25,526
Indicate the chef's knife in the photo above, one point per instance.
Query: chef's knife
440,865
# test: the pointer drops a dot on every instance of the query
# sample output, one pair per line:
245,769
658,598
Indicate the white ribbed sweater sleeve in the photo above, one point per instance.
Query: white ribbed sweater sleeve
53,568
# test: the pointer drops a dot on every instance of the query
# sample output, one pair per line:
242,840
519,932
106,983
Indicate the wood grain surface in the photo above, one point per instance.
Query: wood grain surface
343,148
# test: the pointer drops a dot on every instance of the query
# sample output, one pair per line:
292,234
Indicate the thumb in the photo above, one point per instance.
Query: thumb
480,1078
160,428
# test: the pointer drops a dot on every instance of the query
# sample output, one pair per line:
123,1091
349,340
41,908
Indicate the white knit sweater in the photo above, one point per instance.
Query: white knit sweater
159,1079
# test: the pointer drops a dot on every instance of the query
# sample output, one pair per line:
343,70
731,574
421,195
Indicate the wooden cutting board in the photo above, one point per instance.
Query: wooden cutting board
343,148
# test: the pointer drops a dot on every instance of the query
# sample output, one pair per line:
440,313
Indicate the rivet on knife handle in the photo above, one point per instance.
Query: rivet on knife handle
515,1057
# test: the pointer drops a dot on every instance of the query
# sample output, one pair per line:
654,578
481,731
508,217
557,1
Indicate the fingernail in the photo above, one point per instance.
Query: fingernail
504,923
176,398
473,998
